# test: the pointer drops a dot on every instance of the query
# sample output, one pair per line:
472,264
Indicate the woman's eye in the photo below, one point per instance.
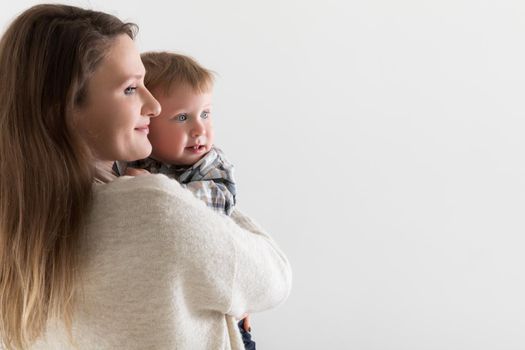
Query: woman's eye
129,90
205,114
181,117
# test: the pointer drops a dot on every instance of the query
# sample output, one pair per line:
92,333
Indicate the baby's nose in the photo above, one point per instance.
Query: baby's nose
198,129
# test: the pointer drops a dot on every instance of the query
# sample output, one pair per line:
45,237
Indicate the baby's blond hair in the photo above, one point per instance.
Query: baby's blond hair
167,69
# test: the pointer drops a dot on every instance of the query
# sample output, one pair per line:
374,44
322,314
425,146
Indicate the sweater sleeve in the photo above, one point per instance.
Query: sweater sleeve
227,264
254,247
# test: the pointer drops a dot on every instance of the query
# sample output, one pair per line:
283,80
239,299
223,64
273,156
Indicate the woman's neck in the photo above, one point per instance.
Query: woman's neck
104,171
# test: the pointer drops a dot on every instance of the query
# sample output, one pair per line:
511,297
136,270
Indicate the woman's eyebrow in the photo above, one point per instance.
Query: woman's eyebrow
136,76
125,78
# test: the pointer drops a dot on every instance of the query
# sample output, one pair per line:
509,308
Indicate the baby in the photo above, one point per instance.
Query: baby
182,136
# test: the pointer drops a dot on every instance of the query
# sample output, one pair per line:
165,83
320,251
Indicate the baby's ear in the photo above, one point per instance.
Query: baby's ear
136,172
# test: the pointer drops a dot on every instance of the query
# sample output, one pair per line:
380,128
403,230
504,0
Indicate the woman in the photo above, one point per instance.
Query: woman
90,261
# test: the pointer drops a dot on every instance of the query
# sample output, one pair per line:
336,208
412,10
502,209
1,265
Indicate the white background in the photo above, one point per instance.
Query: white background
381,143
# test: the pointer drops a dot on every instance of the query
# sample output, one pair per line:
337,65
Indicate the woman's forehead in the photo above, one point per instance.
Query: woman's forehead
122,62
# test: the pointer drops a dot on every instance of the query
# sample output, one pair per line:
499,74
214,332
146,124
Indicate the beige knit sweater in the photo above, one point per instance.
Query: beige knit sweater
160,270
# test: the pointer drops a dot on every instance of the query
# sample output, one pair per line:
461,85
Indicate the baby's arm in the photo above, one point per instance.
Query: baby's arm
214,193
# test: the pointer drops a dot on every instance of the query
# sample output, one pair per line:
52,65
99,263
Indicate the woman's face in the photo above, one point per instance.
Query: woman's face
115,116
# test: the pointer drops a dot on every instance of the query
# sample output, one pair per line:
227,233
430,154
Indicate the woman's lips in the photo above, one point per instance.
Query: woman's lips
143,129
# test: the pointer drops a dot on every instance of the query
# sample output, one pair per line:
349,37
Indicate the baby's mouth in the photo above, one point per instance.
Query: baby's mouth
196,148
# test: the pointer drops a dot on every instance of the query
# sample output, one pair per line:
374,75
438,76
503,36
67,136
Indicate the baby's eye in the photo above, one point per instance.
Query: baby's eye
181,117
205,114
130,90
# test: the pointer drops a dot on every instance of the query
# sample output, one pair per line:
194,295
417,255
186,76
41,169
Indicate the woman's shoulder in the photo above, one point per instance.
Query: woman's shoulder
143,190
153,205
139,184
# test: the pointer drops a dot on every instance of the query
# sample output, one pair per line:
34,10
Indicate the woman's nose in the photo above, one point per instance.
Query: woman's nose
151,106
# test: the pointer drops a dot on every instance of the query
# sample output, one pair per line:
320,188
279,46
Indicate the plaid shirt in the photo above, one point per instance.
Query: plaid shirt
210,179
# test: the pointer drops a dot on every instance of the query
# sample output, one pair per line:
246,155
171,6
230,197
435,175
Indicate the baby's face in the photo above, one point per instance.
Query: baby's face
183,132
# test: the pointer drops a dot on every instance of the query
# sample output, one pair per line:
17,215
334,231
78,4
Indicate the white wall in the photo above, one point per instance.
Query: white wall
381,143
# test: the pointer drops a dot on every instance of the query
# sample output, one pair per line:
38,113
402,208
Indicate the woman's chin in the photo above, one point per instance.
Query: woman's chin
141,153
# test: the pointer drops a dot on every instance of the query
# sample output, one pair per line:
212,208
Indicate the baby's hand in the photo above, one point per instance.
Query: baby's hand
247,325
136,172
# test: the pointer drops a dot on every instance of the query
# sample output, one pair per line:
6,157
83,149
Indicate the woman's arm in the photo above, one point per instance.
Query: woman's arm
229,264
255,249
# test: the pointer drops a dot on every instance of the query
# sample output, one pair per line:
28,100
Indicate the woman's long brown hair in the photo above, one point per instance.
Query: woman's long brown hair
46,172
